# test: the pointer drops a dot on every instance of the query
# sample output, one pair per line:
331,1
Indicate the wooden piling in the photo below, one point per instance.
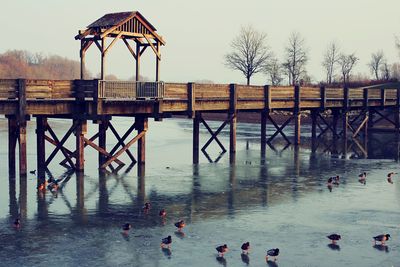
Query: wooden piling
41,148
142,125
233,119
196,137
12,143
80,132
296,115
23,169
103,126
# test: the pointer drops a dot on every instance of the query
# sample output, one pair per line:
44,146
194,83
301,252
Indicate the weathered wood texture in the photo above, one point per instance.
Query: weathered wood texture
47,97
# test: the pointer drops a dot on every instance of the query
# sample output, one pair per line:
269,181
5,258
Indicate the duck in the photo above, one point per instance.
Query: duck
166,242
146,207
272,253
41,187
17,223
336,180
245,247
390,176
334,238
180,225
162,213
381,238
126,227
222,250
330,181
32,172
362,175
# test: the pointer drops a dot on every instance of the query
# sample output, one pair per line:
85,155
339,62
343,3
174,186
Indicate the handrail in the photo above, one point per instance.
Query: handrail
130,89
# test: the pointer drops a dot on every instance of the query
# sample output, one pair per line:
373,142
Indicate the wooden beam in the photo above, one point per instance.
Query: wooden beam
137,61
73,154
279,129
323,97
122,150
158,62
143,49
153,47
191,110
361,126
130,48
122,139
112,43
103,60
101,150
103,126
214,135
233,98
60,145
297,115
98,46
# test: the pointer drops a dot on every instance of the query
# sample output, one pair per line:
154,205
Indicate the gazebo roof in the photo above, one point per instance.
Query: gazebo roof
129,24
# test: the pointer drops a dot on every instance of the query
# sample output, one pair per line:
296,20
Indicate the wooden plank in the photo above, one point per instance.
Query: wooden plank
212,91
310,92
122,150
282,92
191,99
245,92
196,137
176,90
334,93
101,150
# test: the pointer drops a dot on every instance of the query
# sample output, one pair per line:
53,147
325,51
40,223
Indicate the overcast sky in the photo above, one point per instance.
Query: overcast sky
198,33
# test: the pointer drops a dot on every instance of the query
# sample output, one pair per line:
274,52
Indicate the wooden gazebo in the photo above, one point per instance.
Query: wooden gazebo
126,26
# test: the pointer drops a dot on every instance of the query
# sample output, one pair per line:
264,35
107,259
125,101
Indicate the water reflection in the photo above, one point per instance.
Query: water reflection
334,246
245,258
380,247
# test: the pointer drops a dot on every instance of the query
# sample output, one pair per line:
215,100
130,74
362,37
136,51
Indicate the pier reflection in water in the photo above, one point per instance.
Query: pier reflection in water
275,197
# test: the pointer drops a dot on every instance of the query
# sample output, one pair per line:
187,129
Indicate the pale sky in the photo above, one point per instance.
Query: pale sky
198,33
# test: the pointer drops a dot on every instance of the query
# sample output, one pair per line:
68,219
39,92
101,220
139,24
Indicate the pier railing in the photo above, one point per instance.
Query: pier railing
130,90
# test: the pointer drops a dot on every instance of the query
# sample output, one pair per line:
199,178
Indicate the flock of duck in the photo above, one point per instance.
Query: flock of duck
166,242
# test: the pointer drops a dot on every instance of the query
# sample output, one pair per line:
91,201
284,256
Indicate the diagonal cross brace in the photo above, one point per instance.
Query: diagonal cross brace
122,139
122,150
214,134
60,145
279,129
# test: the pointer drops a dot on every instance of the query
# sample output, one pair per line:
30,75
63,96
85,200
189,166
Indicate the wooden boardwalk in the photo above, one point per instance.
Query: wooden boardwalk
99,101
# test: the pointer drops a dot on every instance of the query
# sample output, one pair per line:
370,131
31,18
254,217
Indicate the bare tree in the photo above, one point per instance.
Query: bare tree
274,71
296,57
385,70
346,63
376,62
330,59
250,52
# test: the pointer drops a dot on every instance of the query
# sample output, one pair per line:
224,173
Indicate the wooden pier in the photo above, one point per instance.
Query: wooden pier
356,109
80,101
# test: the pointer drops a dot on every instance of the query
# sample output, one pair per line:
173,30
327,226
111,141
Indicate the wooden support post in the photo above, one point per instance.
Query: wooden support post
137,61
83,61
80,132
142,125
41,148
103,126
22,149
296,114
323,97
12,143
383,98
158,62
334,123
196,137
314,124
233,120
22,126
191,100
103,59
264,116
397,110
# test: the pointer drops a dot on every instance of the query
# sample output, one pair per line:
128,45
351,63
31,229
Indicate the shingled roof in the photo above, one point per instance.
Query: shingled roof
113,19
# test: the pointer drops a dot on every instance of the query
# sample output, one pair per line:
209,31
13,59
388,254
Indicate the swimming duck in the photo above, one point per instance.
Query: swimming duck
32,172
272,253
381,238
166,242
330,181
362,175
180,225
17,223
245,247
336,180
390,176
126,227
146,207
162,213
334,238
222,250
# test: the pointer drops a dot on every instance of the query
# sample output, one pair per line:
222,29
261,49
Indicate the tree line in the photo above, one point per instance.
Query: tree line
23,64
251,54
